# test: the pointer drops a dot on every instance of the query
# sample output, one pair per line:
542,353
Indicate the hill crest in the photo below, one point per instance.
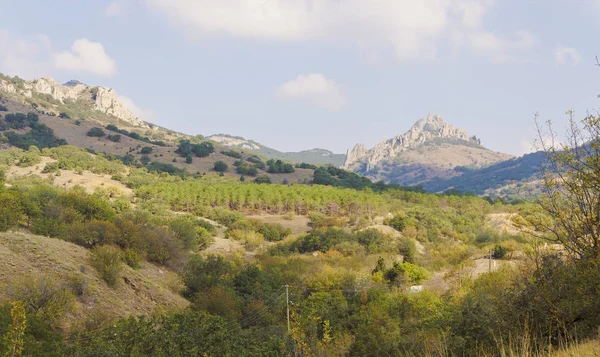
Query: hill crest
97,98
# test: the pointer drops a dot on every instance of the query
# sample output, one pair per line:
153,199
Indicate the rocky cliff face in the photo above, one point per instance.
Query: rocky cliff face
430,149
424,130
104,100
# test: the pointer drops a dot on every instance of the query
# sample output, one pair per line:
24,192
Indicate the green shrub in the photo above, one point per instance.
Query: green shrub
234,154
107,262
132,258
499,252
50,168
96,132
220,166
146,150
397,222
408,249
262,179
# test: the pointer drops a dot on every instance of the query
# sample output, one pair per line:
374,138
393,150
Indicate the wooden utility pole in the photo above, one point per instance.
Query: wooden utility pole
287,301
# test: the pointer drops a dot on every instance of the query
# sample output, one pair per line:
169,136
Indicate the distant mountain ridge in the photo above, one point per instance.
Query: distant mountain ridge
312,156
430,149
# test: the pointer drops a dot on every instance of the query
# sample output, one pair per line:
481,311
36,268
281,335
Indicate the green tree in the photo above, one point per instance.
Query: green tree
96,132
220,166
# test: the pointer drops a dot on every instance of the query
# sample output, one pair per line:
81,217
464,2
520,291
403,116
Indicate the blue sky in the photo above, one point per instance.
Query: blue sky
298,74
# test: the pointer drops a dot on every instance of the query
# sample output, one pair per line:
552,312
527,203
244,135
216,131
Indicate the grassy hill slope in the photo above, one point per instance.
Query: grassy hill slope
29,262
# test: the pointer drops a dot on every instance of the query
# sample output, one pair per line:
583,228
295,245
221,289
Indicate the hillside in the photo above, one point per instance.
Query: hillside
431,149
29,262
514,178
313,156
161,145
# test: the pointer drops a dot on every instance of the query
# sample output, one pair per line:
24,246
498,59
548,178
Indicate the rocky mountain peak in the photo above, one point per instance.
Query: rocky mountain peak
424,130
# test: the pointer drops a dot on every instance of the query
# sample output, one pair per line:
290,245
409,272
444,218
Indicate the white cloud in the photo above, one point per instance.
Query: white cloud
32,56
412,29
566,55
316,89
86,56
146,115
25,56
501,49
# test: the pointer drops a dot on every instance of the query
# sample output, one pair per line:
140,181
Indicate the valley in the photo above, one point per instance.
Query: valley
122,238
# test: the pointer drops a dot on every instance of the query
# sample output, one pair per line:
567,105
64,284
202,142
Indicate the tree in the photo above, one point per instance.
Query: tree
188,159
96,132
262,179
14,337
571,186
145,159
114,137
220,166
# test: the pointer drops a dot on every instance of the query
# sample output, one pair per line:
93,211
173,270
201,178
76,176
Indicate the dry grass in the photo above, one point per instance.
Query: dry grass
138,292
298,224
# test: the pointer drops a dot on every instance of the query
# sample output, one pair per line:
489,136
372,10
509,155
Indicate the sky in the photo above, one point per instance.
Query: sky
300,74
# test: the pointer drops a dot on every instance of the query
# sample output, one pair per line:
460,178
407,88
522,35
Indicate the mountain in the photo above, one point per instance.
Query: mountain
314,156
430,149
73,97
514,178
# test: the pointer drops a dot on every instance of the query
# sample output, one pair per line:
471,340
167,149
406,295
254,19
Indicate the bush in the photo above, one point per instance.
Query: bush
96,132
132,258
50,168
499,252
408,249
397,222
278,166
107,262
146,150
114,137
188,159
234,154
220,166
145,159
262,179
3,108
43,296
271,234
64,115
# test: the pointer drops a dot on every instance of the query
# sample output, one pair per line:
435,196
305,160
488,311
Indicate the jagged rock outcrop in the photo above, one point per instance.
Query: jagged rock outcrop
103,99
7,87
108,102
424,130
234,142
431,148
48,85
